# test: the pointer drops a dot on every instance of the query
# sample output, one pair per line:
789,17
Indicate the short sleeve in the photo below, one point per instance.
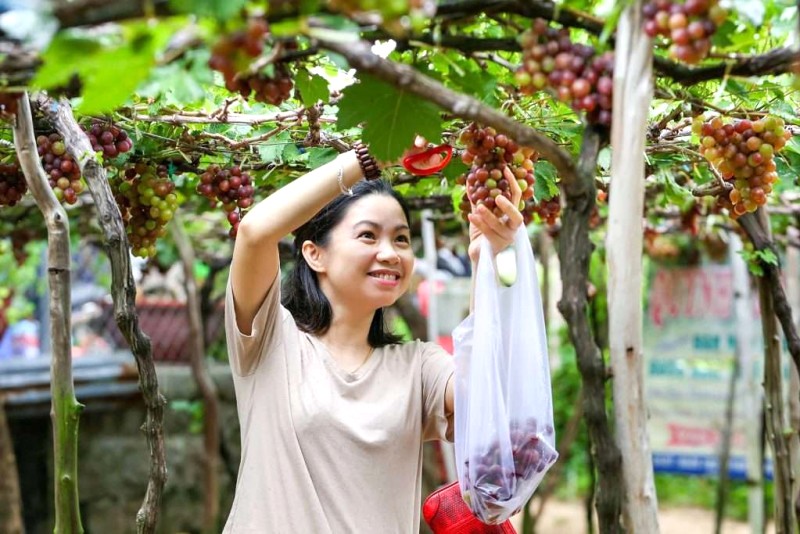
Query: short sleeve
437,370
245,351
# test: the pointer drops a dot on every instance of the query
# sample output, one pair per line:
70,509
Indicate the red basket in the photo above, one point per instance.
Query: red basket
446,513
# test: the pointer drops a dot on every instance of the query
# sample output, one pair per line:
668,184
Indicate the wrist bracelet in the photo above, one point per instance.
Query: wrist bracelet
369,167
340,178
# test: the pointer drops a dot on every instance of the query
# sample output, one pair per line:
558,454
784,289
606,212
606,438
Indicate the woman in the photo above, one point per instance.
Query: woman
333,410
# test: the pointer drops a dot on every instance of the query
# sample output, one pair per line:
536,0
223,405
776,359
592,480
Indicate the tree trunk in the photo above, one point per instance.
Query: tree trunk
65,410
10,498
632,96
205,384
785,521
574,251
123,293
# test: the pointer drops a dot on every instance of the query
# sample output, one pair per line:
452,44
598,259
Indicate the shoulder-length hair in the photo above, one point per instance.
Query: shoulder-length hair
302,295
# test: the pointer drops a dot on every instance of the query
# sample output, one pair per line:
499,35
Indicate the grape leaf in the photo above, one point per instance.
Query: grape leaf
312,87
320,156
109,74
455,168
545,186
219,9
391,117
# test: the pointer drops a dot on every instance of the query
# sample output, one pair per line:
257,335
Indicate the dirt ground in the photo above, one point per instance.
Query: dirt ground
569,518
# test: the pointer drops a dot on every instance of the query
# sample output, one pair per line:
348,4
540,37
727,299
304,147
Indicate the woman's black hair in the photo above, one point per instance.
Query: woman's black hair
302,295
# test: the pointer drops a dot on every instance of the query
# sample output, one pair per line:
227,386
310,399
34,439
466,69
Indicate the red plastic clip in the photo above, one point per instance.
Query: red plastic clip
410,162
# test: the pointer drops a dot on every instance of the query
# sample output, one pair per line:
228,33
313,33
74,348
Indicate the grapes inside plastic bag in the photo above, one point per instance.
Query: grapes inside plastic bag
504,437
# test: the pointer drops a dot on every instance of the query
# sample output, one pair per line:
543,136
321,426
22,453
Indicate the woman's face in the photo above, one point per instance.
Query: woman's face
368,260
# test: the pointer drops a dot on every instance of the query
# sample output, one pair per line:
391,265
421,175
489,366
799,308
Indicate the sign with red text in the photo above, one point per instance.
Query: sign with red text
690,335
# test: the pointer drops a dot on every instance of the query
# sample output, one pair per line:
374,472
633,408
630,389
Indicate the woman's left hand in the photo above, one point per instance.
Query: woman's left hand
499,231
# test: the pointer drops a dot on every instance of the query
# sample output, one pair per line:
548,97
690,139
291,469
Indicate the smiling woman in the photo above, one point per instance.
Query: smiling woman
333,408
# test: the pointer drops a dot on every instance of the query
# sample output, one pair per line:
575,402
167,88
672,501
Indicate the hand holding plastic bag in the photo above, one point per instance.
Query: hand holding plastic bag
504,437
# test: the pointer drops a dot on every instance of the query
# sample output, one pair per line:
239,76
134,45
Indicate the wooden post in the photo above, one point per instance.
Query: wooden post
632,96
65,410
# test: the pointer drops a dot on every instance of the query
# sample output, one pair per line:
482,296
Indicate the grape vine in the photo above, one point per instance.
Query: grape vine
743,152
144,194
231,56
64,174
489,154
574,73
230,187
12,184
688,26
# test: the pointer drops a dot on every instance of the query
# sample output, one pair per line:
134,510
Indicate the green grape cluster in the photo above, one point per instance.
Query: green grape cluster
146,199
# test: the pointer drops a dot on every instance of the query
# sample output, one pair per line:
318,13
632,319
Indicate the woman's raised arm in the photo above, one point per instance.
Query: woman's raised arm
255,254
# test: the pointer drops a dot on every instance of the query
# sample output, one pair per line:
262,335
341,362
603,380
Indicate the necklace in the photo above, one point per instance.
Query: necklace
358,368
366,359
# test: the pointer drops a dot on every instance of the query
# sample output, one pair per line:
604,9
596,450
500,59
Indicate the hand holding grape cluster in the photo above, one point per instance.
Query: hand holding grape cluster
496,475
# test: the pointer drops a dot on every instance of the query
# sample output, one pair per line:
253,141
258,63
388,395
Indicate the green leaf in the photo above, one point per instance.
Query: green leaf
674,193
290,153
218,9
455,168
109,72
391,117
312,87
477,83
320,156
545,187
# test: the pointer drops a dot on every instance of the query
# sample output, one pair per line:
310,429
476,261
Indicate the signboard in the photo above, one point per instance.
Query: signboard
690,339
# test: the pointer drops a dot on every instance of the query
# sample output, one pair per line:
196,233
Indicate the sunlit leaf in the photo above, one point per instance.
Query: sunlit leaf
391,117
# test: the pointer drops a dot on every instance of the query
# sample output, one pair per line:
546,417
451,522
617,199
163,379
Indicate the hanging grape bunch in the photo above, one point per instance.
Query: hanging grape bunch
743,152
63,172
109,139
232,188
547,210
489,154
688,26
573,73
495,479
231,56
144,194
12,184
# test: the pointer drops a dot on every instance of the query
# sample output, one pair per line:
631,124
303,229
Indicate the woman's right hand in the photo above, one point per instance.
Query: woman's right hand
500,231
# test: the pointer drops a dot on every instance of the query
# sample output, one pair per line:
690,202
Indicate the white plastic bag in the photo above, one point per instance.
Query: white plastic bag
504,436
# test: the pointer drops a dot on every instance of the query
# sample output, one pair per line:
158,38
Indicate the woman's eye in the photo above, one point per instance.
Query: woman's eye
367,235
403,238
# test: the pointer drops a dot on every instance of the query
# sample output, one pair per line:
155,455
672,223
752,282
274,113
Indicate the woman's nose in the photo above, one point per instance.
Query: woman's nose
388,253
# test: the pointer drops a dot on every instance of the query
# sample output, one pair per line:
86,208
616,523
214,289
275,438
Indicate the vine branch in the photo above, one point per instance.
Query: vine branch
123,291
360,56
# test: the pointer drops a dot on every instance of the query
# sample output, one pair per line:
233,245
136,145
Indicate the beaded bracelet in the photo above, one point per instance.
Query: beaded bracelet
369,167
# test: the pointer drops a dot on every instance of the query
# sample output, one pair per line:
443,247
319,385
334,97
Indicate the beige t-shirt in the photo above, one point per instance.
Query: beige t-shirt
324,450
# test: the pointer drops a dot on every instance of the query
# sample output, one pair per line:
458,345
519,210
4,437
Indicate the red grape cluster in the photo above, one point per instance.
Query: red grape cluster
232,188
8,104
743,152
20,237
63,172
231,56
109,139
489,154
547,210
573,72
688,25
492,483
12,184
144,194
